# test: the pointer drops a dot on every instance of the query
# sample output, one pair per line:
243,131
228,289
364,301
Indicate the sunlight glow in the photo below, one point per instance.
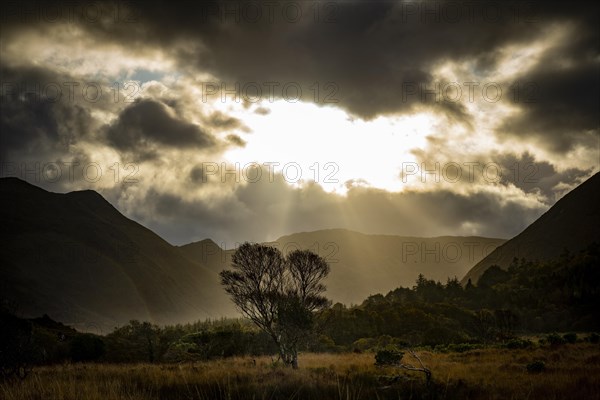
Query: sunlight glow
332,148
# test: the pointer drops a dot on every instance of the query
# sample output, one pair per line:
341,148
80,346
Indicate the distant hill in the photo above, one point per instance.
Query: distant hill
363,264
207,252
572,223
76,258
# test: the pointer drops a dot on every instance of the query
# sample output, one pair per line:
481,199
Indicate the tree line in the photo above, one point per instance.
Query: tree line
529,297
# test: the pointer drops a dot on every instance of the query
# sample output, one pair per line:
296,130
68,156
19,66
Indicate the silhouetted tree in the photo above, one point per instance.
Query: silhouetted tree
86,347
136,341
16,348
279,294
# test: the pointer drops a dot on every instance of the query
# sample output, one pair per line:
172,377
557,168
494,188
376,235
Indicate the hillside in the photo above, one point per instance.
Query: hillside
74,257
363,264
572,223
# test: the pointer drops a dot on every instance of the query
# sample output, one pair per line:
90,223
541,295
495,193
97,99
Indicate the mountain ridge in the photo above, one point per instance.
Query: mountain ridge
77,258
571,223
364,264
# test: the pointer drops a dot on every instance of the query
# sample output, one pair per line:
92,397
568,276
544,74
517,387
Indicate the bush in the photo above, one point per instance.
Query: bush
462,347
390,355
593,338
363,344
570,337
554,339
519,344
86,347
536,366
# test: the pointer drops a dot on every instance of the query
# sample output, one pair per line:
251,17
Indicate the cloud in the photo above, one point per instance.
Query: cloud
539,177
36,115
262,111
559,106
266,209
146,124
363,57
367,51
221,121
444,163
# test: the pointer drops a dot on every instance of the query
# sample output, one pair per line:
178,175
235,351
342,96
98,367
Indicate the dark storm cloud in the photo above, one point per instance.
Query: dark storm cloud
536,176
370,51
374,53
42,120
37,113
559,99
563,108
147,122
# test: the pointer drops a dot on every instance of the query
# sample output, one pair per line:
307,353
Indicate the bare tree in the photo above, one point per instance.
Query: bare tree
279,294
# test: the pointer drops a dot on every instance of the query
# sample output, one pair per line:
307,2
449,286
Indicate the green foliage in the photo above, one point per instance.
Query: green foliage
536,367
137,341
570,337
494,275
528,297
593,338
86,347
518,343
462,347
389,355
554,339
16,349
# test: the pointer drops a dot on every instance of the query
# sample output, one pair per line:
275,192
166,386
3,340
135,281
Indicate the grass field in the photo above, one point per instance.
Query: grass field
571,372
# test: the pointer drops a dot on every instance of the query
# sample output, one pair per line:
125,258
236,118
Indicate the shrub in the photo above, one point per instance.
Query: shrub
593,338
462,347
536,366
390,355
519,344
570,337
86,347
554,339
363,344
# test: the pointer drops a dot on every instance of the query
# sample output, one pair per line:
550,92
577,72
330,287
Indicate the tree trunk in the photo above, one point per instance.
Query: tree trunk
288,356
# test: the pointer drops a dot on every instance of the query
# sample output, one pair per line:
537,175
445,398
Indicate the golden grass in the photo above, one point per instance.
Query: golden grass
572,372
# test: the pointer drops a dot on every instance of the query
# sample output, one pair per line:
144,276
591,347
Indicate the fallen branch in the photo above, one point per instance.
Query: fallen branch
393,357
422,367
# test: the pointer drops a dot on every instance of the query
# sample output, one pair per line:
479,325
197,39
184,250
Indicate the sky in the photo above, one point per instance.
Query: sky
245,121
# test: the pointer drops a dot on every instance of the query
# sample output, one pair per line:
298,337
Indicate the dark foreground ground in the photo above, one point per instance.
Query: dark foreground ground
568,372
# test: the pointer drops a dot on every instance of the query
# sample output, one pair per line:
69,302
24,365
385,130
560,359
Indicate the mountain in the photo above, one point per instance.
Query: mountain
207,252
363,264
572,224
76,258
